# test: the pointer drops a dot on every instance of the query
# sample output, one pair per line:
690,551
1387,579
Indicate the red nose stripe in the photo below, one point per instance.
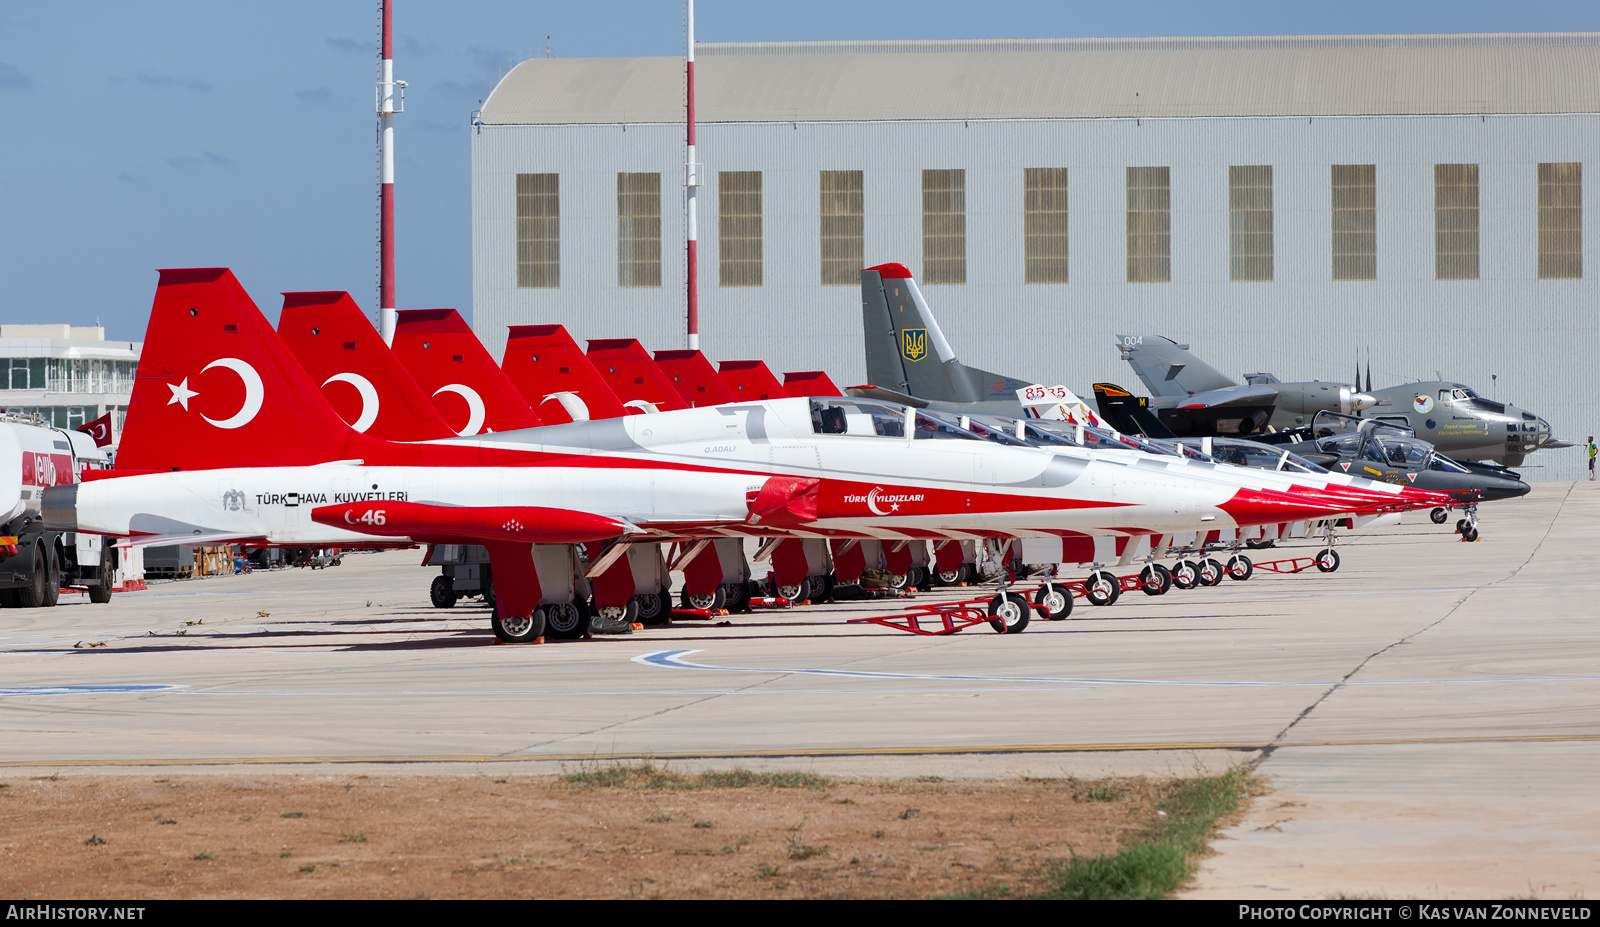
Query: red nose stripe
1268,507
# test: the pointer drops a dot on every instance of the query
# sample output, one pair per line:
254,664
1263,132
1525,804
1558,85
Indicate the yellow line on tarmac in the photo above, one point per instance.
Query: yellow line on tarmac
801,753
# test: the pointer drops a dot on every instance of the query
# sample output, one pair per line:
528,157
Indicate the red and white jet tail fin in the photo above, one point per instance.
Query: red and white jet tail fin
550,370
1058,403
451,366
810,383
366,384
751,380
633,376
217,387
694,378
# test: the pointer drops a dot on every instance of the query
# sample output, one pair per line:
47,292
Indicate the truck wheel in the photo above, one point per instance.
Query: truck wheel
52,576
100,592
32,595
442,592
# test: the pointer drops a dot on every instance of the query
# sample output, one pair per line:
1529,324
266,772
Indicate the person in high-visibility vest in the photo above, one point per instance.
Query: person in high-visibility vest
1594,451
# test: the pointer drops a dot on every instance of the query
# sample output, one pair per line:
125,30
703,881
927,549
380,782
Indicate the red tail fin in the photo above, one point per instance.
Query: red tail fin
217,387
751,379
810,383
452,367
694,378
363,380
633,376
550,371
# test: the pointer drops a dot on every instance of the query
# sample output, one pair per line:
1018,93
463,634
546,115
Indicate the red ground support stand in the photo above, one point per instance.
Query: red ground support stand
1292,565
952,616
699,614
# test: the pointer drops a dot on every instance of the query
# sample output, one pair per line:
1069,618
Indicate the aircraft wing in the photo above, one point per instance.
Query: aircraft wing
197,539
888,395
1219,398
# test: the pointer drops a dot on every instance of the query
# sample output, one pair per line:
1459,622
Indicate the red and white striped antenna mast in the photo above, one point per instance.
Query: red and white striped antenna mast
691,182
391,100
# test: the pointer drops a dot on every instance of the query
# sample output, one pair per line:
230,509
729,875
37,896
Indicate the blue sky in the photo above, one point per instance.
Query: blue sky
172,134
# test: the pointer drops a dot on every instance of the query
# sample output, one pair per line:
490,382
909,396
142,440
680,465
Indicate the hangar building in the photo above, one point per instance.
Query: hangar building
1278,203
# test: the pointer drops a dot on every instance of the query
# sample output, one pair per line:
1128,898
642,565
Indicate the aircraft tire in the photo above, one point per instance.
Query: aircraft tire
948,577
442,593
1471,534
1185,574
1010,615
1103,588
1439,515
1240,568
653,607
737,596
1328,560
792,593
1211,572
899,581
1155,579
1260,543
521,630
565,621
1056,601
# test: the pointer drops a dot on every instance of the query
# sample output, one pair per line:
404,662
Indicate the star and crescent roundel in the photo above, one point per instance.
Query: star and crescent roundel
254,393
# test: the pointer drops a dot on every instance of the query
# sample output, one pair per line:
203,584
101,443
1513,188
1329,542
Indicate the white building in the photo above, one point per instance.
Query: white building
69,374
1278,203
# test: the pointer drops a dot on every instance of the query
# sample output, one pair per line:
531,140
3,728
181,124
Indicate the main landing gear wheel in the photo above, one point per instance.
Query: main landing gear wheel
1056,600
565,621
1155,579
1102,588
442,592
1328,560
520,629
1009,614
1439,515
899,581
615,619
737,596
821,588
1185,574
1211,572
950,577
1260,543
714,599
652,608
1471,534
1240,567
1462,525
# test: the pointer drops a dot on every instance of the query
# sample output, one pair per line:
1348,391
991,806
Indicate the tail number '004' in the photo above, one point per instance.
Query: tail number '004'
369,517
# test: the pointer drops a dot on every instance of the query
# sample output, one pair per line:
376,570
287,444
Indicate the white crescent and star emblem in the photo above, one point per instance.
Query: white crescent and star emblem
474,406
872,503
370,403
254,393
571,403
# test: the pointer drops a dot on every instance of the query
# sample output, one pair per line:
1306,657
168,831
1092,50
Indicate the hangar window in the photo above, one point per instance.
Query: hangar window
1455,221
1250,223
1149,224
1044,224
739,228
944,227
1561,221
638,230
843,228
1355,222
538,230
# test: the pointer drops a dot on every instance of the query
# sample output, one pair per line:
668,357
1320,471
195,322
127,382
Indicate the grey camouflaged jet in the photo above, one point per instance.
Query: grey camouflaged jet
1192,398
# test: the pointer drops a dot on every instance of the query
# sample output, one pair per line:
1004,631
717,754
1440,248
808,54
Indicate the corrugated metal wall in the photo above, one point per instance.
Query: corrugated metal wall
1539,336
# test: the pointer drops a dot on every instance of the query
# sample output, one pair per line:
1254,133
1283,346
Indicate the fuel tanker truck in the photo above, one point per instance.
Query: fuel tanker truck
37,563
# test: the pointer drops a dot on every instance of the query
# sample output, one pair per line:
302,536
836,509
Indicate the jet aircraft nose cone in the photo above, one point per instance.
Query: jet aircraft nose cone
1363,401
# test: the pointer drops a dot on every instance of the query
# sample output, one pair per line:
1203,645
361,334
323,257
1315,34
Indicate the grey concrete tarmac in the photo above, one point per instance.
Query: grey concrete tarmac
1429,715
